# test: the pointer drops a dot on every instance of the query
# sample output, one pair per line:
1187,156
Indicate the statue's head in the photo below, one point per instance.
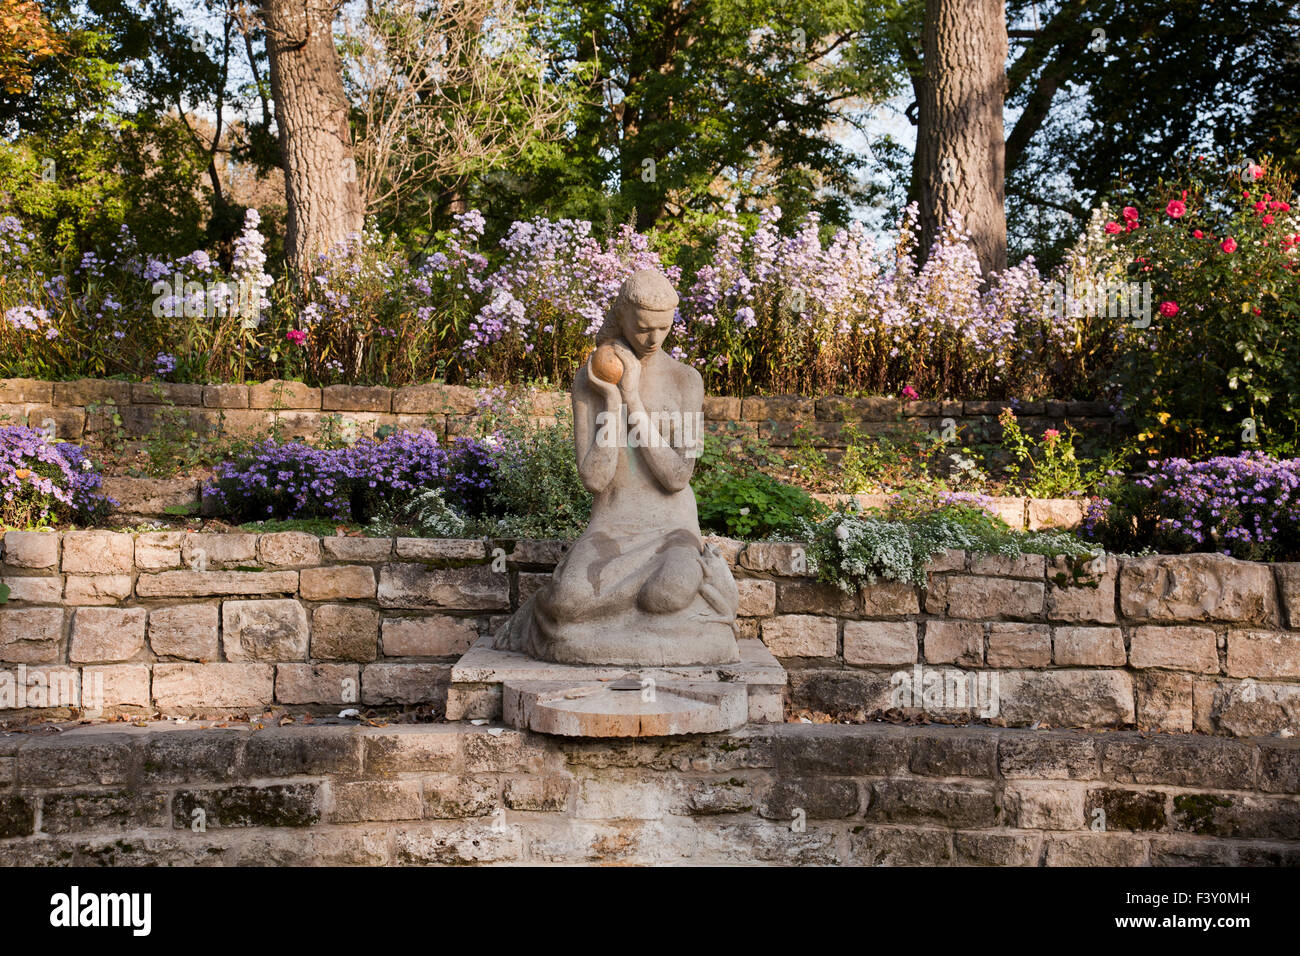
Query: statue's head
642,313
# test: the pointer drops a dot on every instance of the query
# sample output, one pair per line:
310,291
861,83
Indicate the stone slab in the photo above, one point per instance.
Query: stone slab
596,709
477,678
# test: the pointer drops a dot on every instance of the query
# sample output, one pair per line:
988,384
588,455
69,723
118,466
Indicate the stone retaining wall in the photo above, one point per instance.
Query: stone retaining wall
82,406
190,624
95,406
792,794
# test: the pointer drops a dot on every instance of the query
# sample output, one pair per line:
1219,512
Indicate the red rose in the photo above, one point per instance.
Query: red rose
1228,245
1130,214
1112,227
1168,309
1198,234
1176,209
1260,207
1267,220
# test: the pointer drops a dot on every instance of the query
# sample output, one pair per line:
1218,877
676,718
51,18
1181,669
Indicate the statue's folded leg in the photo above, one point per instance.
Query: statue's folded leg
674,584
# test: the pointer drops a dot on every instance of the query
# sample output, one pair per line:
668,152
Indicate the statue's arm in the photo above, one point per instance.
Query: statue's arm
670,465
596,463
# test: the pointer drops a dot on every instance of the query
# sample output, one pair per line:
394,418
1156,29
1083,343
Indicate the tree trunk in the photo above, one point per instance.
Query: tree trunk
311,110
960,144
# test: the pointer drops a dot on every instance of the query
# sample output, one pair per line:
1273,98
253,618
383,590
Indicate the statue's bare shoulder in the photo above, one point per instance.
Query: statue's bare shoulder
690,385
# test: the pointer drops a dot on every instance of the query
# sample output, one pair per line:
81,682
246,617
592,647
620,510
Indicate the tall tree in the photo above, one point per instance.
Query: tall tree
1103,91
1112,91
311,111
695,104
442,92
960,144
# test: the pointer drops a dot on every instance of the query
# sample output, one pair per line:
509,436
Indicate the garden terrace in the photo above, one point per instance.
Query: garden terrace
184,624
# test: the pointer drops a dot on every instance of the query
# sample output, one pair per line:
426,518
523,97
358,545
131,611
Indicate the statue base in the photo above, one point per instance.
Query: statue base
588,700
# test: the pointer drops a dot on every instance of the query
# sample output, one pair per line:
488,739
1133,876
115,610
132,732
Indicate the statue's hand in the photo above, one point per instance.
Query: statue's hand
630,384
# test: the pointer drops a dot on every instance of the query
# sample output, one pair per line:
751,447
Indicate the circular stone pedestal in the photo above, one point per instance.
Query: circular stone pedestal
598,709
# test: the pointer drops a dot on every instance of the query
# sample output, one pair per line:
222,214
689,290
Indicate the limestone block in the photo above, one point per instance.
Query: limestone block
264,630
880,643
98,552
184,688
187,631
1175,648
436,635
1197,587
289,549
106,634
37,550
344,632
1088,647
800,635
338,582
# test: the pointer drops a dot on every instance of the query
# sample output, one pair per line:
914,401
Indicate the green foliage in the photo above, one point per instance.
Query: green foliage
714,94
1050,467
904,458
536,487
321,527
61,171
1167,74
737,499
387,332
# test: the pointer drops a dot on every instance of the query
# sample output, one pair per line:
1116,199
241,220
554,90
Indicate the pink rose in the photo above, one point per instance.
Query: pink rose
296,336
1130,214
1268,219
1051,434
910,393
1228,245
1176,209
1168,309
1112,227
1256,171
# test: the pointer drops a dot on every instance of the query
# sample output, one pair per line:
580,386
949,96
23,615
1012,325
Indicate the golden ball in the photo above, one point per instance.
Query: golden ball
606,364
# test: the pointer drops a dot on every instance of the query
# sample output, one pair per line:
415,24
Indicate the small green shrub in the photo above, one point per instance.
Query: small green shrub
737,499
753,507
536,490
1050,467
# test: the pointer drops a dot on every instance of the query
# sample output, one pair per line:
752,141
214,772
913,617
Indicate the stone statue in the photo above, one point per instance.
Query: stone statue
639,587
